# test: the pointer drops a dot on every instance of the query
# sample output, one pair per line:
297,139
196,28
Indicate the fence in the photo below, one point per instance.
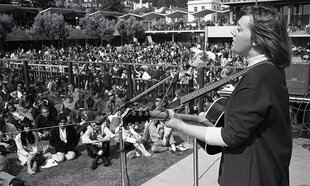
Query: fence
70,71
38,70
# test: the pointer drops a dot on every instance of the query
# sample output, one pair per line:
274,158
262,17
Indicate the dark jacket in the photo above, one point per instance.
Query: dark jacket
61,146
257,131
41,121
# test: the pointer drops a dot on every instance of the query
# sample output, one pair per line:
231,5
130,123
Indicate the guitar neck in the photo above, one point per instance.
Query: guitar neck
161,116
211,86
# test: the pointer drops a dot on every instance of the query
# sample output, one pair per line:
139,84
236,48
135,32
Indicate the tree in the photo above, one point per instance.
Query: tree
112,5
106,30
43,3
161,3
121,28
130,28
6,26
98,27
49,26
5,2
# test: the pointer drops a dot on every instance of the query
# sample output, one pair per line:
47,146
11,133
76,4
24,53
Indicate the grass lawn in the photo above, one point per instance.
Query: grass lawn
78,172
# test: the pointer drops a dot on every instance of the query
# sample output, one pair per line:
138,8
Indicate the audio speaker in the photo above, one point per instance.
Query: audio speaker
297,79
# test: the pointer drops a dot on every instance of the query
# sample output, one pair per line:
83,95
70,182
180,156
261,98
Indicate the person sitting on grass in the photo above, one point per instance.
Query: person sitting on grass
5,177
64,139
97,139
27,147
44,120
8,133
161,137
130,136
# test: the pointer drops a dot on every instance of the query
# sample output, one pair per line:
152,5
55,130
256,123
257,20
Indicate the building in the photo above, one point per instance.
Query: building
199,5
297,12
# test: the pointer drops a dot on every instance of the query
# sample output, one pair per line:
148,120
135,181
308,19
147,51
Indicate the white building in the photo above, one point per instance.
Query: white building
198,5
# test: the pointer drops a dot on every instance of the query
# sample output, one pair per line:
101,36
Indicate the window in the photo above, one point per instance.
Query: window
203,7
195,9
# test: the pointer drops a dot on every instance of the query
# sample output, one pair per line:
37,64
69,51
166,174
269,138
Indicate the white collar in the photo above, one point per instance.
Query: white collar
256,59
62,130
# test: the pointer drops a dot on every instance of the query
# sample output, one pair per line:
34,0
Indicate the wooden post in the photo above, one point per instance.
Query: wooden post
70,72
129,83
191,89
26,74
201,84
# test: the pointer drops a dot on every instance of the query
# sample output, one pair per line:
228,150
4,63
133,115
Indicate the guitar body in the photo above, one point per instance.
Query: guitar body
214,114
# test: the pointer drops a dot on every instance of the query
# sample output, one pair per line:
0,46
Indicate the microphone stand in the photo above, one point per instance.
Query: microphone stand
121,140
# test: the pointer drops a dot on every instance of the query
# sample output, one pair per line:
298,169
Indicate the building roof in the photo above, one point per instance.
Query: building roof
126,16
106,13
177,14
64,11
153,15
203,13
9,8
229,2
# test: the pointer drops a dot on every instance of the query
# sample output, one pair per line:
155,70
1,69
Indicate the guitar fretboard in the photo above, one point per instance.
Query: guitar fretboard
211,86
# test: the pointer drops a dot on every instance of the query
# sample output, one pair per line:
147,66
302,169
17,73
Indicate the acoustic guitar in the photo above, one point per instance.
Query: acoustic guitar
214,116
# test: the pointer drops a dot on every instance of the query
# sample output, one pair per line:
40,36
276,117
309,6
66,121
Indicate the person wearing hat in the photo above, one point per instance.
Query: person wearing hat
64,139
97,139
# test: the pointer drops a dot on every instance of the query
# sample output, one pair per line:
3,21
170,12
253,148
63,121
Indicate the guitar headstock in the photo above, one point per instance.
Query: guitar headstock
132,116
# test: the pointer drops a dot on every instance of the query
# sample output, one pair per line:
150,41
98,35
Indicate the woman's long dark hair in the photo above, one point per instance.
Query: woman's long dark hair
27,136
269,32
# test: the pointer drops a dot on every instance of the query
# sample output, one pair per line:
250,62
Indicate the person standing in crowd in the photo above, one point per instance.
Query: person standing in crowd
97,139
64,139
256,137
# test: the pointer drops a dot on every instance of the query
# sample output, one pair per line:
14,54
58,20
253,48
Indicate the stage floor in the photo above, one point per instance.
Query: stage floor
181,173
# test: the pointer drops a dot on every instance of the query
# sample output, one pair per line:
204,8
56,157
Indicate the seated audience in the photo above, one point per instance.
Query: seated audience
13,116
43,121
130,136
27,148
97,139
161,137
64,139
8,133
5,177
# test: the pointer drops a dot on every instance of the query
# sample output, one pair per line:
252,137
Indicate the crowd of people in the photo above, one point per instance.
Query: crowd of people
29,116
